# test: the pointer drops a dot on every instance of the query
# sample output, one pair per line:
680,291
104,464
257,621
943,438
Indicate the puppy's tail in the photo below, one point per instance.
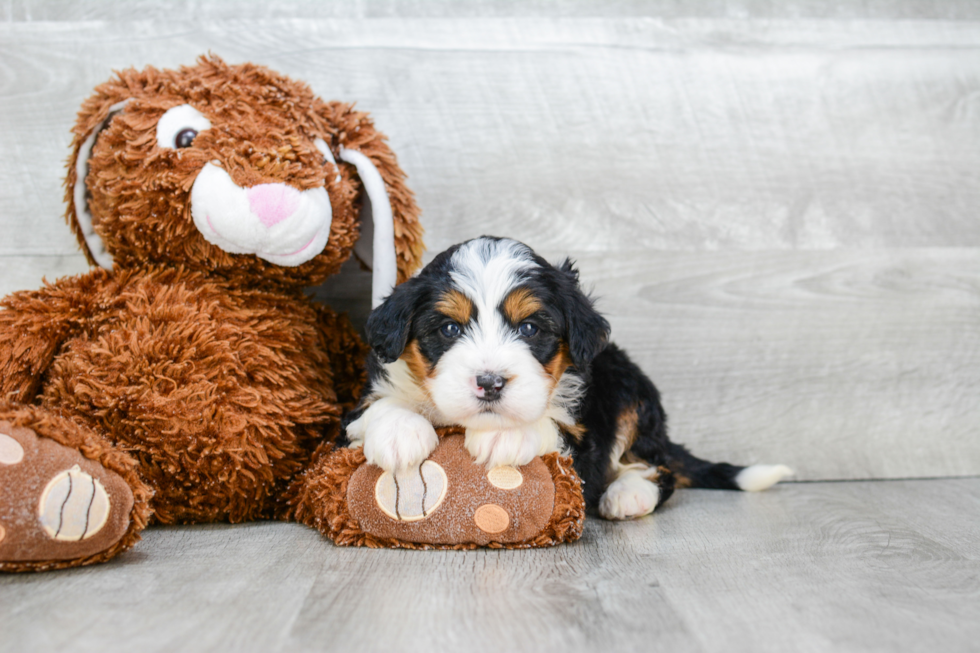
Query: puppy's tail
691,471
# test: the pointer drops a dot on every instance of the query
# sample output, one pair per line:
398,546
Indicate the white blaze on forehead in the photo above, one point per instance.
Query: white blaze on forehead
487,270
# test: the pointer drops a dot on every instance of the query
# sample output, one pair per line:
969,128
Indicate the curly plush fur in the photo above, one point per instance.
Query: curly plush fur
204,378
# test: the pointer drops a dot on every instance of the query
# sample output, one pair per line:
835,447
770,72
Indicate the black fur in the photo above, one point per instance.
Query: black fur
587,331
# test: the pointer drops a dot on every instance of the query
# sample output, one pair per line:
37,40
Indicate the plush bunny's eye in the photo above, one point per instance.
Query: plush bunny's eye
185,137
179,126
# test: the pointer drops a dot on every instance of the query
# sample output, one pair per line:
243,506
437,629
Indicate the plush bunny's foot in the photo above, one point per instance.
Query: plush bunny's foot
448,502
59,508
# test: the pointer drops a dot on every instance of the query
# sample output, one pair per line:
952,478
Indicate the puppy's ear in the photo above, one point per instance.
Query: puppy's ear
587,332
390,324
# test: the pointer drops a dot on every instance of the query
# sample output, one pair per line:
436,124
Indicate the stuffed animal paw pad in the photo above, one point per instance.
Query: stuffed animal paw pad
74,506
11,452
413,494
58,504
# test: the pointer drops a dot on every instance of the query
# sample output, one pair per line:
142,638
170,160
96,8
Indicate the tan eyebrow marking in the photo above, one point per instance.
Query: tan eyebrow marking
520,305
456,305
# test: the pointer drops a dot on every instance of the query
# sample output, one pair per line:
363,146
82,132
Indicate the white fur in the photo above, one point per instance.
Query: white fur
394,437
632,493
761,477
223,214
486,272
629,496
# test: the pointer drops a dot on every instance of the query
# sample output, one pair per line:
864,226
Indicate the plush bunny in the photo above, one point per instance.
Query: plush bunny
188,378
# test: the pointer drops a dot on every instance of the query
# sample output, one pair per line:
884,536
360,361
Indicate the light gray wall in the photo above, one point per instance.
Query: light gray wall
776,202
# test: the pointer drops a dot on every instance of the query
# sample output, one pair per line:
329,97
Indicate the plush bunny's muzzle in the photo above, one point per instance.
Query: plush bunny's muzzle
276,222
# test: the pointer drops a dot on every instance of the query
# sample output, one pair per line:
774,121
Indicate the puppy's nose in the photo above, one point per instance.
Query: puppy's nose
491,385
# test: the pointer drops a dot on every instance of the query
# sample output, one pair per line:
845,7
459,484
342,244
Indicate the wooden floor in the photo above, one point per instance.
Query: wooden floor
850,566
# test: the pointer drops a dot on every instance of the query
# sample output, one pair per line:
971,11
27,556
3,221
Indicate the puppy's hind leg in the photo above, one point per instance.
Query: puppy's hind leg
636,485
637,491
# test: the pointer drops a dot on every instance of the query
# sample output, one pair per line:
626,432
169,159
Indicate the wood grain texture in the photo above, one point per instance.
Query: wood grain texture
779,215
630,133
872,566
841,364
75,10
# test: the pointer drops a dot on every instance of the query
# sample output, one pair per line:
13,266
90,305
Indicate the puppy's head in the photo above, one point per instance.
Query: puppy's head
489,332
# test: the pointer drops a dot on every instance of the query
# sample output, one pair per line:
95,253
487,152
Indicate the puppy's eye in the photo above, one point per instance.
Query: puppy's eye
450,330
185,137
527,330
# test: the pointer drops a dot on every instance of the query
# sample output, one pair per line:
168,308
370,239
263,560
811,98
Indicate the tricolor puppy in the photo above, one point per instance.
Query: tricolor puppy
492,337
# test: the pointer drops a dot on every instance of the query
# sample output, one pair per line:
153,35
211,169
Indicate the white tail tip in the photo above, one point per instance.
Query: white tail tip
761,477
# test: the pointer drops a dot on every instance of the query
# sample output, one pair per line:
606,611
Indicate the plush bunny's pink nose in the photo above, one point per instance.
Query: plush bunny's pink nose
273,203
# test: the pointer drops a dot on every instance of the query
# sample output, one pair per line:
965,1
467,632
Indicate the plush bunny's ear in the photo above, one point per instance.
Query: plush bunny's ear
390,234
381,256
80,212
83,217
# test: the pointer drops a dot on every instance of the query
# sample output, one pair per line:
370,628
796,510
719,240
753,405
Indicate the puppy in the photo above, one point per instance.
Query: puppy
492,337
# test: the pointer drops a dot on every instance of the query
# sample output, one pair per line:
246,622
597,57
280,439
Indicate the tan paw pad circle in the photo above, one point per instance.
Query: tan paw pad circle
491,518
11,452
74,506
505,477
413,494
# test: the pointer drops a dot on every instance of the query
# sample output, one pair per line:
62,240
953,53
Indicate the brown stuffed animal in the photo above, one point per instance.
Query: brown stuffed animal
189,379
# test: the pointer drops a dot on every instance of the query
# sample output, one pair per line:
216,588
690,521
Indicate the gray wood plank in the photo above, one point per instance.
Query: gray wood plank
74,10
871,566
629,133
842,364
29,272
863,577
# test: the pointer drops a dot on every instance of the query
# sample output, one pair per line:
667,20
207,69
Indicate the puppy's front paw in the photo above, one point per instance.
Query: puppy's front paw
397,439
513,447
628,497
